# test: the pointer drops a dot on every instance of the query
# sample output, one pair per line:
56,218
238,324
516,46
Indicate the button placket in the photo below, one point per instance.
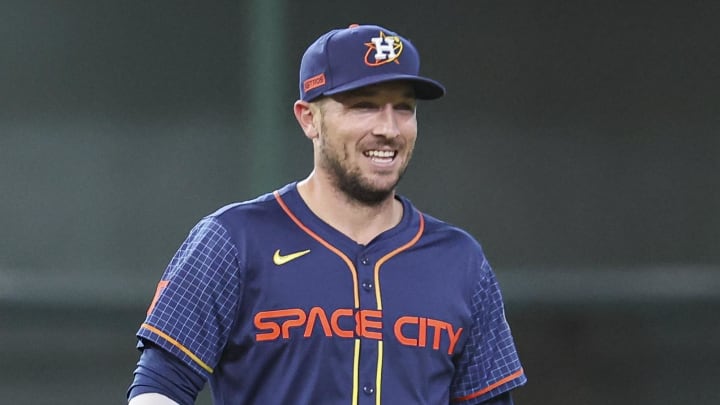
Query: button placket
367,283
369,347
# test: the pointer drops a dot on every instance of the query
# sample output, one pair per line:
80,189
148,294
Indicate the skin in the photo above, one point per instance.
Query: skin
151,399
363,141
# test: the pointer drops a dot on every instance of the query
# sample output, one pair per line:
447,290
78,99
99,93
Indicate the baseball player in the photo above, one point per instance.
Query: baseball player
333,289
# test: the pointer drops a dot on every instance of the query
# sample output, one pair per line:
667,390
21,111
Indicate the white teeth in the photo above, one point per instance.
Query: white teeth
380,153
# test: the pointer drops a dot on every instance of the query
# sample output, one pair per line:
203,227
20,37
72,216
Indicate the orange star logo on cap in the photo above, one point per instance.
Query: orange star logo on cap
383,49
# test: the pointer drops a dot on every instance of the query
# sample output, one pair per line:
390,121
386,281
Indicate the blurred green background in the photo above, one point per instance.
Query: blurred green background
579,142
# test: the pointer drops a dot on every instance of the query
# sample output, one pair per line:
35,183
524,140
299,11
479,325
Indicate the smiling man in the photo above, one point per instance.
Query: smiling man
364,168
334,289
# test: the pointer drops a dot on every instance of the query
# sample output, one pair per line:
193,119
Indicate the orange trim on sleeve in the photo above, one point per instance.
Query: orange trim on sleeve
325,243
490,387
177,344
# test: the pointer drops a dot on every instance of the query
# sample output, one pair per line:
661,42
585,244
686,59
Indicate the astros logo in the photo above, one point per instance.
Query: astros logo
387,49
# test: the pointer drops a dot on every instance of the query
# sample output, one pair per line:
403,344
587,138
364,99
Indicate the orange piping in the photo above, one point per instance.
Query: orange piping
393,253
177,344
323,242
490,387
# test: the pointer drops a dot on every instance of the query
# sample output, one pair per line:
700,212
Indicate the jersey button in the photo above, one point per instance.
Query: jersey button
368,390
367,285
365,261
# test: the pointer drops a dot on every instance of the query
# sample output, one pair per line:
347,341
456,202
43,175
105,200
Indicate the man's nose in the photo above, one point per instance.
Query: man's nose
387,123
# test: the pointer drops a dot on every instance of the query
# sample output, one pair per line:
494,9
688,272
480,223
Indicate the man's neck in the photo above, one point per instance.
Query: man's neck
358,221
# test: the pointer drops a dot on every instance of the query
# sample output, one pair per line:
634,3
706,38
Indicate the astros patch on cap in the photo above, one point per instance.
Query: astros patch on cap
360,55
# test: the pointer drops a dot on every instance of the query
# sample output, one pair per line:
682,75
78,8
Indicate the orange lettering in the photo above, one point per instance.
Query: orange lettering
439,326
314,82
272,325
402,321
363,324
317,313
335,325
274,328
291,323
454,337
422,332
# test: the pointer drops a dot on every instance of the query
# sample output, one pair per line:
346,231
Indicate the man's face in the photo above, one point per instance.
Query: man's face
366,139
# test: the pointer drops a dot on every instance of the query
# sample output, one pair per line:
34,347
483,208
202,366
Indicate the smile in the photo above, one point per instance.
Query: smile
384,156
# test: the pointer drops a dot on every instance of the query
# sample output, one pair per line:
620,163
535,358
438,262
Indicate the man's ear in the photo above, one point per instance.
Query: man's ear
305,116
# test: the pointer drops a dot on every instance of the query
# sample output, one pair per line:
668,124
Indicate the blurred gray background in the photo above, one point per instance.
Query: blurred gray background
579,142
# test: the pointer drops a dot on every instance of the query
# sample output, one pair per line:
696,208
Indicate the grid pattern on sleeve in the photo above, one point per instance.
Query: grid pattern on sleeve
490,357
196,309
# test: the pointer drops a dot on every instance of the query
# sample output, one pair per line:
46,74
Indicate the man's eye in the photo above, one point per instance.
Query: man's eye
405,107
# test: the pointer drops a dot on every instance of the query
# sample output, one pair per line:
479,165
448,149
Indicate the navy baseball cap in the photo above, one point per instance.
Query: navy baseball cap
361,55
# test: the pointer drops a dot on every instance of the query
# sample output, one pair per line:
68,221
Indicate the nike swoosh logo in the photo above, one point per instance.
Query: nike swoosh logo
279,259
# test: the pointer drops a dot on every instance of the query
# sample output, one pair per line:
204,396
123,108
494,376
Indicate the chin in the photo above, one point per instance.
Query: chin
368,194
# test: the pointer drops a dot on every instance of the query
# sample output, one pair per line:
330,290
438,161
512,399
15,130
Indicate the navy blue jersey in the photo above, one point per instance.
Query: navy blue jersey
273,305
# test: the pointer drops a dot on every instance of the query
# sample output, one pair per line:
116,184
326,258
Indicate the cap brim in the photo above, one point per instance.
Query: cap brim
425,88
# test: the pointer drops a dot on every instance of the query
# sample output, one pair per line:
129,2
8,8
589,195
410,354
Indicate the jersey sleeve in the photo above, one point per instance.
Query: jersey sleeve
160,372
196,300
489,364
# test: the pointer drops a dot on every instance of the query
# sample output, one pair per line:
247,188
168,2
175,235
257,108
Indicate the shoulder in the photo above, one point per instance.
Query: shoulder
245,208
459,251
441,231
444,235
263,209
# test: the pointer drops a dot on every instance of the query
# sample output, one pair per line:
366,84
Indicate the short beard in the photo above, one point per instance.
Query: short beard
351,183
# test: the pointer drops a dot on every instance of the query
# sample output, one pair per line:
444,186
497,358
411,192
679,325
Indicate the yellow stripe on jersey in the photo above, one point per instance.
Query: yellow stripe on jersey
378,378
356,377
378,299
